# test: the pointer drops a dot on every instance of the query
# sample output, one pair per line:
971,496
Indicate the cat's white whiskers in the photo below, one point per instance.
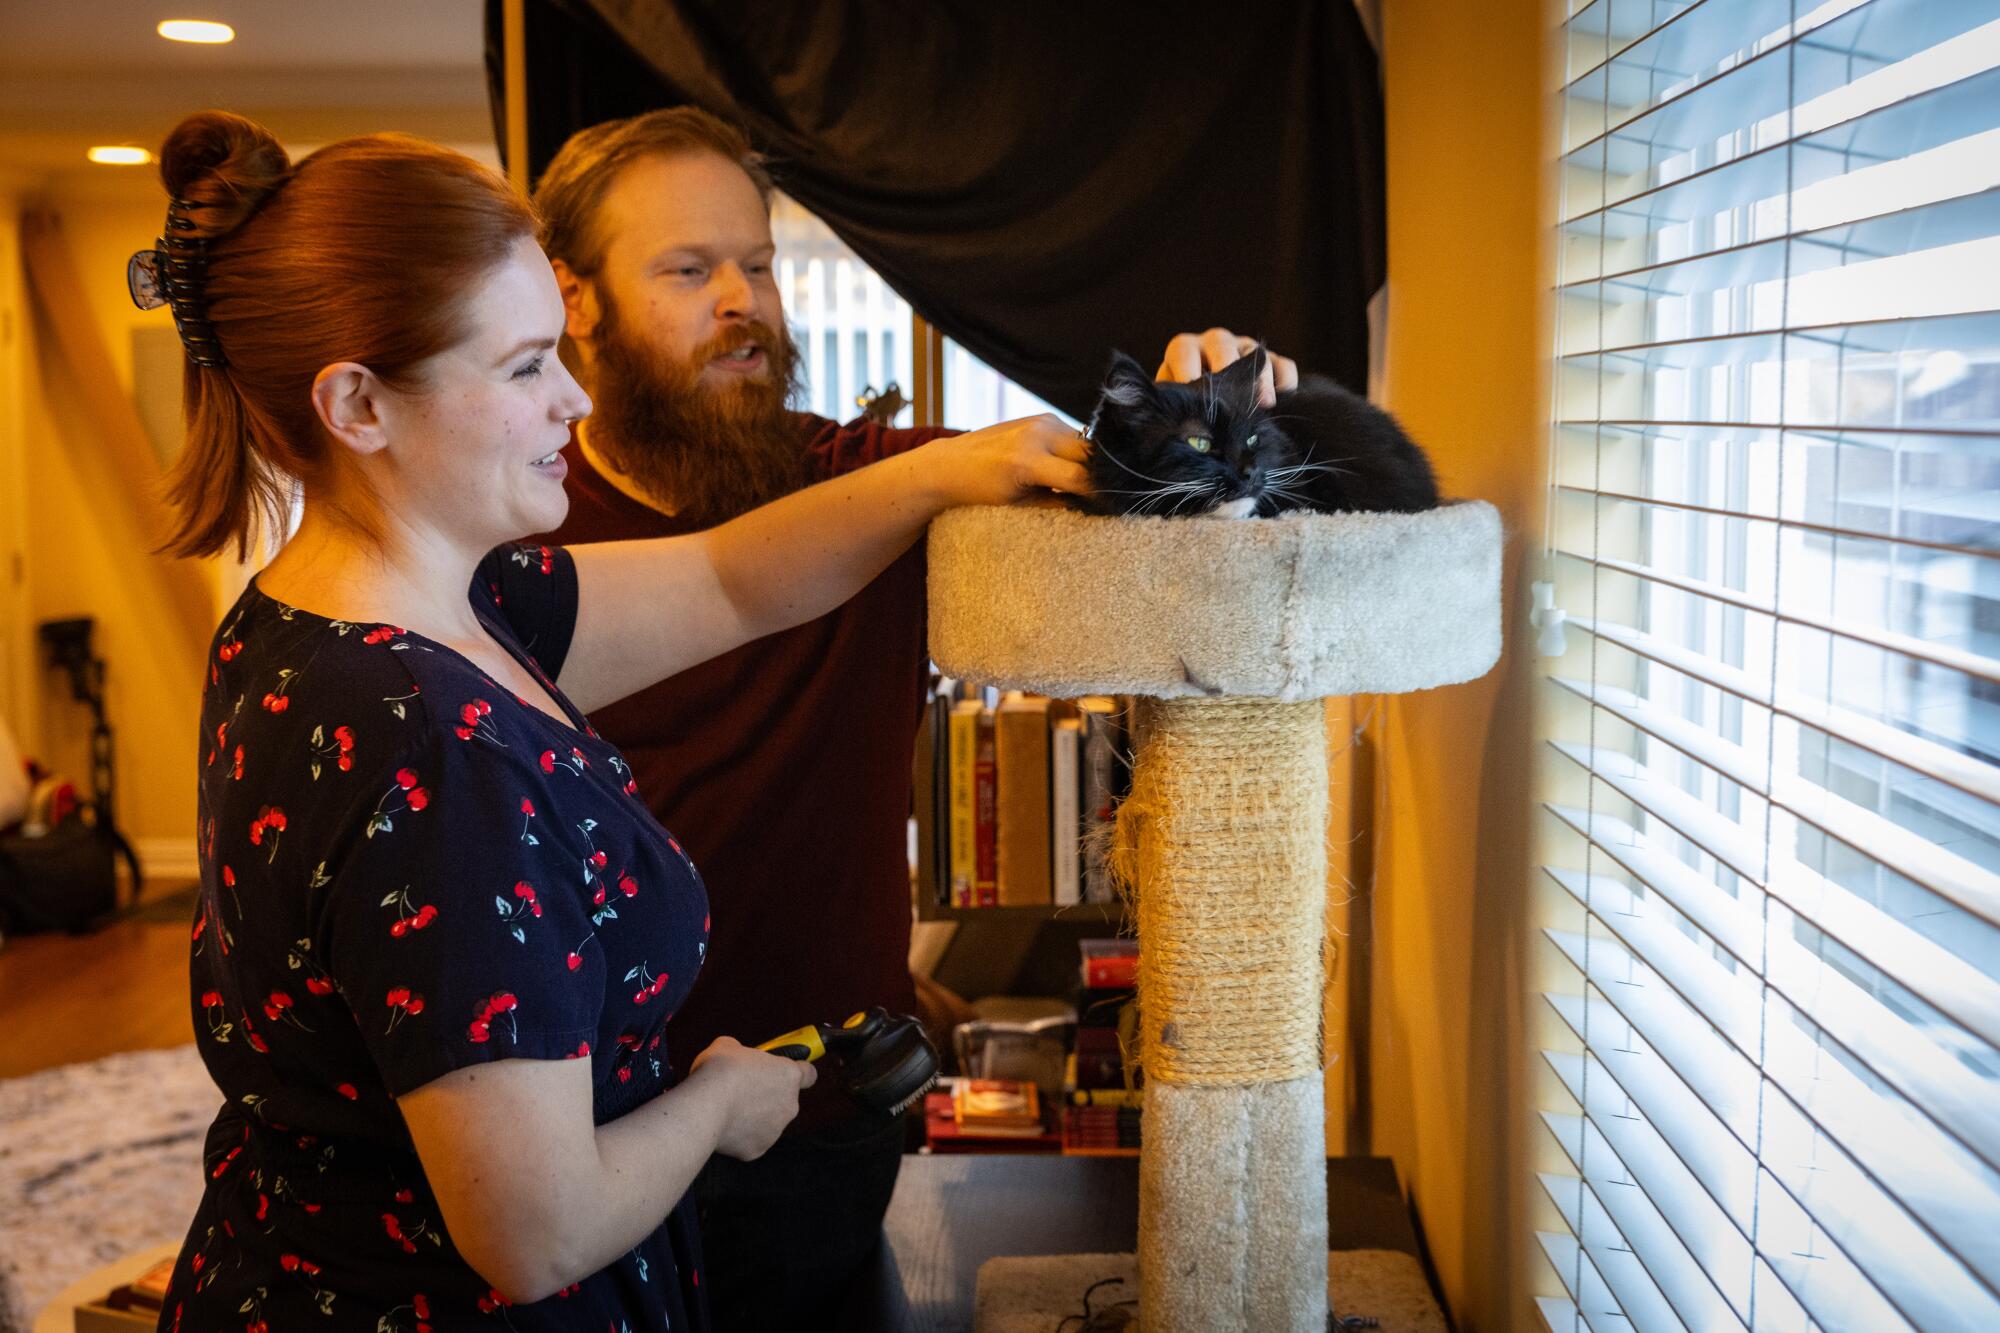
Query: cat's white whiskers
1134,471
1303,469
1180,493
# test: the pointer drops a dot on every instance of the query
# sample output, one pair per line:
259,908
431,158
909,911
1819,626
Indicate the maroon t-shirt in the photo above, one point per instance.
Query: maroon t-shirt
784,767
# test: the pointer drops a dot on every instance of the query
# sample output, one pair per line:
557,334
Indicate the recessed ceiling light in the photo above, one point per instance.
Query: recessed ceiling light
119,156
196,30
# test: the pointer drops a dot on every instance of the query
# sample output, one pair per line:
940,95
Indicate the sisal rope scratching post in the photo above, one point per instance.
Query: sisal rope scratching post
1222,843
1233,631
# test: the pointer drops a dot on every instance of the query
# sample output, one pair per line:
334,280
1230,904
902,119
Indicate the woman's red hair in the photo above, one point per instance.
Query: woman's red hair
364,251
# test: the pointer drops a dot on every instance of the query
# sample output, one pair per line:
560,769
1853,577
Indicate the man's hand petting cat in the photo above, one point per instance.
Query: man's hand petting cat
1003,463
1192,355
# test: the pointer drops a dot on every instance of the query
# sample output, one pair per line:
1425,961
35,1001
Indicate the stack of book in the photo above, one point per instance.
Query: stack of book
988,1115
1015,794
1102,1122
1102,1096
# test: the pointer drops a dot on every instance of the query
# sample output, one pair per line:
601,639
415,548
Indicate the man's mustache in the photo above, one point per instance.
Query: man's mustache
734,339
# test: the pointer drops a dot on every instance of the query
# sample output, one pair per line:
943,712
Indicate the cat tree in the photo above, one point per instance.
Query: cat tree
1231,633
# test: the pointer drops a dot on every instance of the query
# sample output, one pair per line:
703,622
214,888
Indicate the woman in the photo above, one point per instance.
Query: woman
439,935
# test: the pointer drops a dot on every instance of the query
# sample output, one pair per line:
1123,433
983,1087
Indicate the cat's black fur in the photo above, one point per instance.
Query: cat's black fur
1320,448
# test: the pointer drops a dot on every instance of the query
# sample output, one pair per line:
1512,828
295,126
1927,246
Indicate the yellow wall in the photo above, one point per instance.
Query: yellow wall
80,562
18,673
1464,86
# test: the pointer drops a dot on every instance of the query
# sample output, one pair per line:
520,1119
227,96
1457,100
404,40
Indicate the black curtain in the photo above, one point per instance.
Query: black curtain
1042,181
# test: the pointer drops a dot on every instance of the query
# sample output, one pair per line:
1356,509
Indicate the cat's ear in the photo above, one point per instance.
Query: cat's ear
1126,383
1239,378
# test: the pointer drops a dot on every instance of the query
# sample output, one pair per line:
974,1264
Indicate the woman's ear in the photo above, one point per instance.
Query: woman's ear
349,401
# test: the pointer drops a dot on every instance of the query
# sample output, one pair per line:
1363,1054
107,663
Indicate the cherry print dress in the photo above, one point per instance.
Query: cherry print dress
407,870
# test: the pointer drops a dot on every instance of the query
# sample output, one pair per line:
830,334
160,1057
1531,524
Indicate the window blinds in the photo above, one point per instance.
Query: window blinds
1769,957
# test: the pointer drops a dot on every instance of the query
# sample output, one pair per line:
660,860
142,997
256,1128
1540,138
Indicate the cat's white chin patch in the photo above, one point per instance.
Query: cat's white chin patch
1242,508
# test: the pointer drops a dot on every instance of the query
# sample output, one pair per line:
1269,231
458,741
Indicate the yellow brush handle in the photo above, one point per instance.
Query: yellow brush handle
798,1044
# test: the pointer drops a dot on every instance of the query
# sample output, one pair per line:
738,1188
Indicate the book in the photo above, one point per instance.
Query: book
1021,756
927,805
961,831
942,1133
996,1105
1065,811
1098,775
985,810
1109,964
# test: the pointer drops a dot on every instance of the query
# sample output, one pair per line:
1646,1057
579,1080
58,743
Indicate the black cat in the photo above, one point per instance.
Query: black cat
1207,448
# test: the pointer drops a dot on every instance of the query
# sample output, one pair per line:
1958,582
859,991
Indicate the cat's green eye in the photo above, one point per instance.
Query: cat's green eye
1198,443
1250,443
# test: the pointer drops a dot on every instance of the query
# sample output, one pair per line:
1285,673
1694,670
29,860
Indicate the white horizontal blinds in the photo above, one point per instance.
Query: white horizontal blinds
1769,961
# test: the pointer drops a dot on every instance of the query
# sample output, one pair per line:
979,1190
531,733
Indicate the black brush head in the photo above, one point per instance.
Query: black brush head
894,1068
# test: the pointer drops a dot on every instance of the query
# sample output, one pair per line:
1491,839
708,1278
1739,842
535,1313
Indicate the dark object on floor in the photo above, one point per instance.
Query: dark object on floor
67,878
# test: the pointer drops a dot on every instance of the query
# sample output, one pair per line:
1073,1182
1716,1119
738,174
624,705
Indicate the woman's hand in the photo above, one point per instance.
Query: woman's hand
1002,463
763,1092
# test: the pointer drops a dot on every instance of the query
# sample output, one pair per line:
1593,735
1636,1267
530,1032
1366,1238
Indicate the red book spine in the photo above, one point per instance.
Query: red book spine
985,805
1112,972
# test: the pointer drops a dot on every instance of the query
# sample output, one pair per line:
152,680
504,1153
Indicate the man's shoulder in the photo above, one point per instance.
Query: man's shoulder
599,511
845,446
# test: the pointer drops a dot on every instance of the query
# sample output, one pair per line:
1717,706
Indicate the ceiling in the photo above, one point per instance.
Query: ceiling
74,73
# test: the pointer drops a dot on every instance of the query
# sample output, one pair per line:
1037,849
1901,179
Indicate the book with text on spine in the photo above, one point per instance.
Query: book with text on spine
1021,756
1066,810
962,821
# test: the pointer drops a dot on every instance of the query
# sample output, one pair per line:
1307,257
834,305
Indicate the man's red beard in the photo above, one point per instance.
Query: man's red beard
707,452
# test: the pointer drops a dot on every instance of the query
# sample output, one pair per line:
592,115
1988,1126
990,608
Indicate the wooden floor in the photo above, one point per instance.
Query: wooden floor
65,998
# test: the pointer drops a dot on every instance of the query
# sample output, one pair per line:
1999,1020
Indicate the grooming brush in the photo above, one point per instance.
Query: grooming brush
886,1063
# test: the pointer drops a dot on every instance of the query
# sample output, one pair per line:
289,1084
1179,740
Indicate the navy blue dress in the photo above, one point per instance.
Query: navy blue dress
406,870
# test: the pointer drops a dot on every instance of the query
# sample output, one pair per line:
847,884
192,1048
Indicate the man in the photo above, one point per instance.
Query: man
785,765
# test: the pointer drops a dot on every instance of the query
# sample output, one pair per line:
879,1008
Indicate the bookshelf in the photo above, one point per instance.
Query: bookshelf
1015,795
1112,914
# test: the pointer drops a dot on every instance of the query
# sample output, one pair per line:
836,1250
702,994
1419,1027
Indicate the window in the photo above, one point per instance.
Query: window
1769,964
857,336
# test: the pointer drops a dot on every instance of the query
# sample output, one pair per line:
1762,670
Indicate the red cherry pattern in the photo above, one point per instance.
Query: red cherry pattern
271,817
395,1230
481,1027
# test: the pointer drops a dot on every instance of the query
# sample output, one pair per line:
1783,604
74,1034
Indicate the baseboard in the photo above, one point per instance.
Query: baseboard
162,858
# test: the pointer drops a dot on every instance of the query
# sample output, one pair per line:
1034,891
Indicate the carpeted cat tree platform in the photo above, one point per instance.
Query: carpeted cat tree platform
1232,632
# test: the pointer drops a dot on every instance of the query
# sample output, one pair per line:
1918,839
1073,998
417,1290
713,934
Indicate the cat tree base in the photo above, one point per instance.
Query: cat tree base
1035,1293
